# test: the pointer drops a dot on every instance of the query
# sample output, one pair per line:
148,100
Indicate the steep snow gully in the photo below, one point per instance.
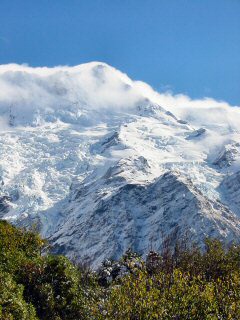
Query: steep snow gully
101,163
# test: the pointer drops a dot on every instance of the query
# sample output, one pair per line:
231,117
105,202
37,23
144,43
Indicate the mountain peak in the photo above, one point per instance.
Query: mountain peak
100,161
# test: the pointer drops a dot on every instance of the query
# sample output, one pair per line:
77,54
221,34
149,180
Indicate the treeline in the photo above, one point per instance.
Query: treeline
186,283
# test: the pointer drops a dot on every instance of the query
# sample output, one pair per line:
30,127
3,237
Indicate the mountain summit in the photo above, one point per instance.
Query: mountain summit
102,163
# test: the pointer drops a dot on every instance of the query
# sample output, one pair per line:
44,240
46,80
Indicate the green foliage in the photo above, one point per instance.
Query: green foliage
187,283
17,245
12,303
175,296
53,285
49,286
184,284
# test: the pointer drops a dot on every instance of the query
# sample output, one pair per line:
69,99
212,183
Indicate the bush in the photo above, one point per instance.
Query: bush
17,246
52,285
12,303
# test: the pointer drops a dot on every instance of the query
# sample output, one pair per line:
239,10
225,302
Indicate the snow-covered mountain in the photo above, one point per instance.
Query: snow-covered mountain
102,163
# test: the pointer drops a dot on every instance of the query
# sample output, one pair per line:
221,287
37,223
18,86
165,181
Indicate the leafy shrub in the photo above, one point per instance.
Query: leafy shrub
17,246
12,303
53,286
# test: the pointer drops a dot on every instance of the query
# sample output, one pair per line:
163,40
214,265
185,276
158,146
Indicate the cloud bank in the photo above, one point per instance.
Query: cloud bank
32,95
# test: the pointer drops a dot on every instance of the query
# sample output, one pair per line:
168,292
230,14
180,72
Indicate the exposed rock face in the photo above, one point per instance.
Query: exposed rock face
140,217
231,190
4,205
228,155
196,133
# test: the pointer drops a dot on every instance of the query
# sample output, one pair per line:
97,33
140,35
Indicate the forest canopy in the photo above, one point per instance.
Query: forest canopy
184,283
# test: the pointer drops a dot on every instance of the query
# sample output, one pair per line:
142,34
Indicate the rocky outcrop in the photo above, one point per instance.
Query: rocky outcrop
98,226
4,205
228,155
231,190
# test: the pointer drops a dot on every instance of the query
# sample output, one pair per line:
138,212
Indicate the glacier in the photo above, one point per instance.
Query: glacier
101,163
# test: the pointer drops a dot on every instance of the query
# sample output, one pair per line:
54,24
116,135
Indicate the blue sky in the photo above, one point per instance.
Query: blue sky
186,46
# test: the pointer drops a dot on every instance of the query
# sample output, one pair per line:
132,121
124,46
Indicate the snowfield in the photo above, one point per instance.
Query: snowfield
101,163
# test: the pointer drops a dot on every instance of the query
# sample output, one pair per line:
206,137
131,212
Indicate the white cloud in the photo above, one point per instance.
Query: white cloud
206,111
32,91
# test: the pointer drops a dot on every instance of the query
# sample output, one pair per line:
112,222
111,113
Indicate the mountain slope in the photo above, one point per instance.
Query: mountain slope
101,164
